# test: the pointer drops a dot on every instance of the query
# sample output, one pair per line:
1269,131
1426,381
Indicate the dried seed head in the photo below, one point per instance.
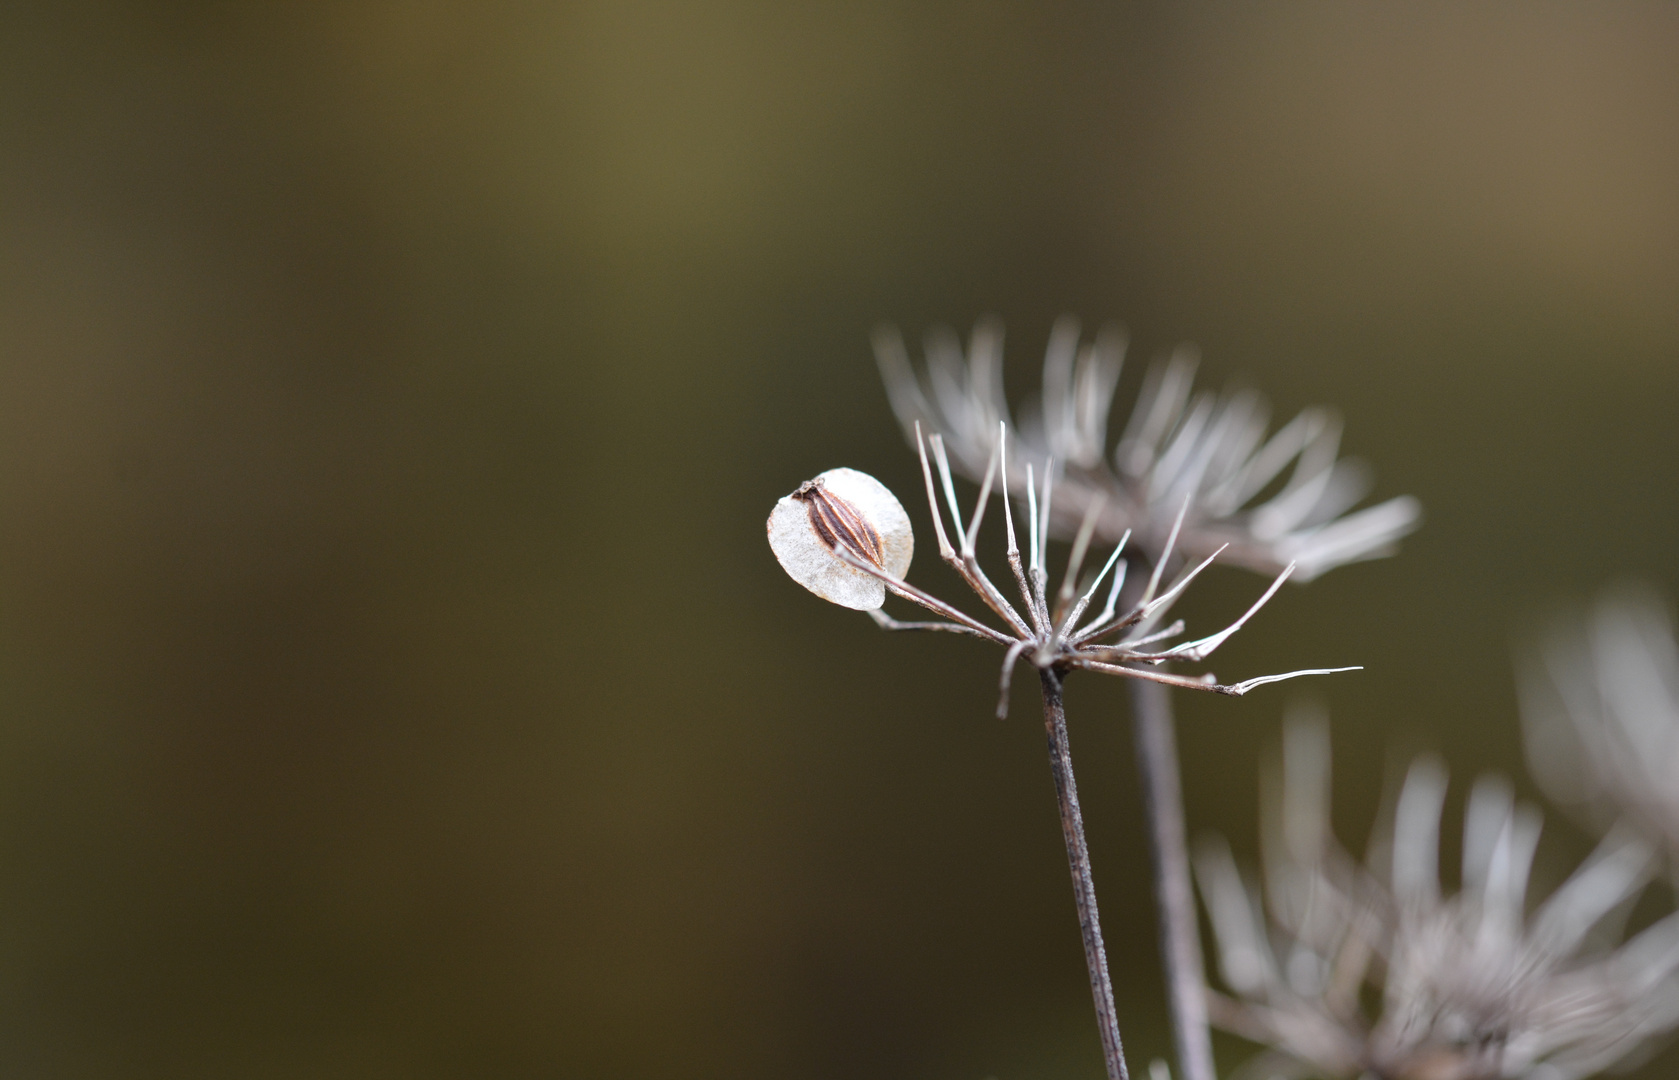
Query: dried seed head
842,508
1212,448
1471,986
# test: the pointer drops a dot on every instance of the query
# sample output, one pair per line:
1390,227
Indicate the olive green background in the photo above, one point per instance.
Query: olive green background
394,680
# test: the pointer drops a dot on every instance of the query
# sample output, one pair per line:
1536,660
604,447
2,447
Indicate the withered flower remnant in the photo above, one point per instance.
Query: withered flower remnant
1470,986
844,520
1600,710
1191,472
845,537
1204,450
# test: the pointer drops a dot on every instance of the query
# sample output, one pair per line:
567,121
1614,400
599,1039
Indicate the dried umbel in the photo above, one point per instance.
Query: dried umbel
1600,708
845,537
1204,450
1192,473
1471,988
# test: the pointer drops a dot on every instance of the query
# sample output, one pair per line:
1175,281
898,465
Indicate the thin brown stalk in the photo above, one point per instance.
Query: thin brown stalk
1084,888
1180,942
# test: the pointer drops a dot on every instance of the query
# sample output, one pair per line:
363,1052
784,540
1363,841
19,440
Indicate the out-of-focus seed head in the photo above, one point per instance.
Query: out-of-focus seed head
842,508
1265,501
1600,707
847,539
1481,985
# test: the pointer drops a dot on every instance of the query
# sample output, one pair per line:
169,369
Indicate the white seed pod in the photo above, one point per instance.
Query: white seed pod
842,507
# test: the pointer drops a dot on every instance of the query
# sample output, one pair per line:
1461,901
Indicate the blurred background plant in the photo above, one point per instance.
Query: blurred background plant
1193,474
1466,985
1197,467
1600,709
370,374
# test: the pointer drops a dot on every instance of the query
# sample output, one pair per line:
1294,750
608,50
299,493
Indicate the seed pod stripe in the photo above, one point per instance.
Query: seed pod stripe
834,524
837,521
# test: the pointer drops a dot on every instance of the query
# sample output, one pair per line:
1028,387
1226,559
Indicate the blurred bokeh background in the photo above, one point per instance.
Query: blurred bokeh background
394,680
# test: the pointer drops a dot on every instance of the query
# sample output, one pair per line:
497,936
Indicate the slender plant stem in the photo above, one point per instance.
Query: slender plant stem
1084,889
1180,941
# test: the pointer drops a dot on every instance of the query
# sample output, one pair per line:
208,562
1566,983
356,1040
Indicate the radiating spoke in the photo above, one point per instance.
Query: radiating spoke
1077,613
949,488
946,552
1165,555
1265,680
1075,562
1007,677
1203,648
887,622
931,603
